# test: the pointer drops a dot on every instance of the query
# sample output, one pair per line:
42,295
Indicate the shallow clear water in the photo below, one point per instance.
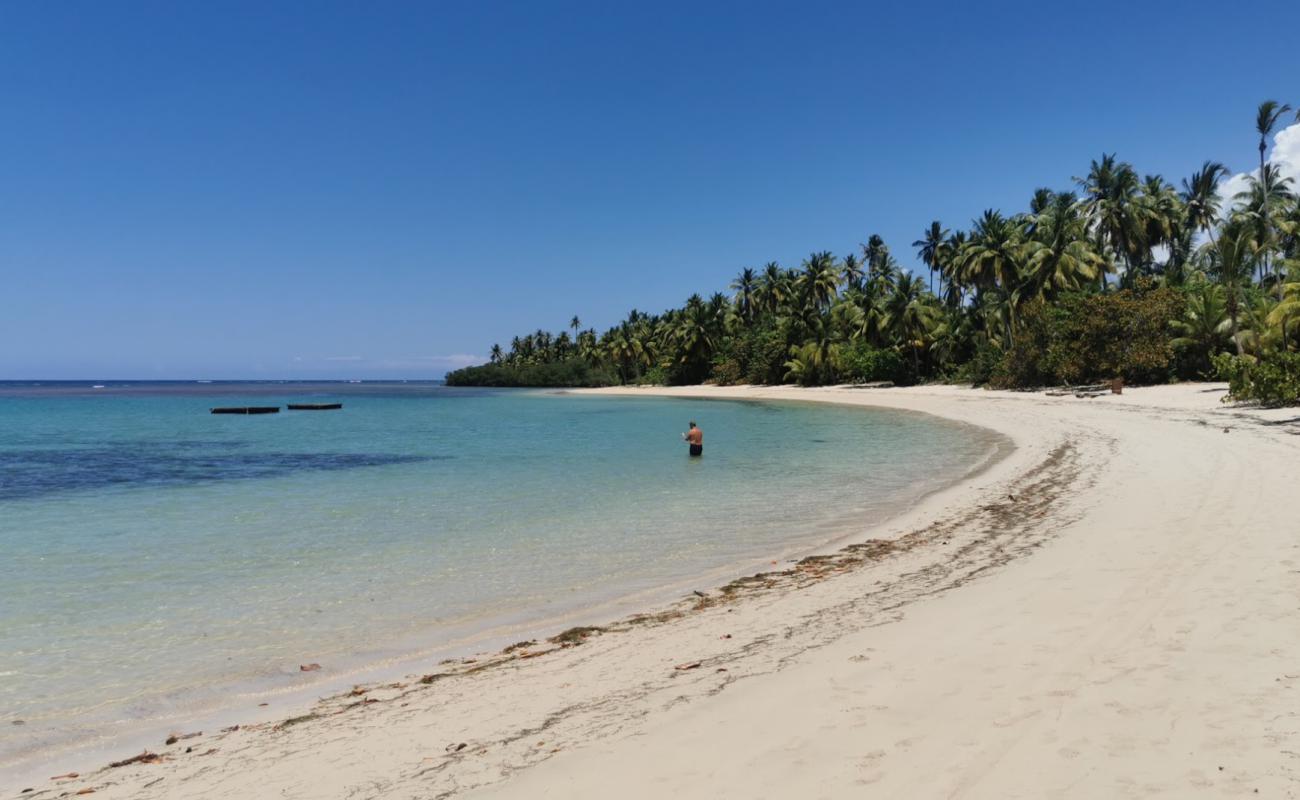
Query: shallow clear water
155,557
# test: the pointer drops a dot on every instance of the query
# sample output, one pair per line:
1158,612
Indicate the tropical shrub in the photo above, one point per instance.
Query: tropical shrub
1273,379
1030,361
1093,337
1122,334
654,376
980,368
862,363
766,362
728,370
756,355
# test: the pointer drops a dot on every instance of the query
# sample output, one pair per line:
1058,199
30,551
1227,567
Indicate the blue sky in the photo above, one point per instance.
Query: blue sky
197,190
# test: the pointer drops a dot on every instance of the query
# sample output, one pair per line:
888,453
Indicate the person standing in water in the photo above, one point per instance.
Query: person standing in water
695,438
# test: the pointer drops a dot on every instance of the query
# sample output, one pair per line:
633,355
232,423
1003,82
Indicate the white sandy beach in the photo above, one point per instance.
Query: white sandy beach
1111,611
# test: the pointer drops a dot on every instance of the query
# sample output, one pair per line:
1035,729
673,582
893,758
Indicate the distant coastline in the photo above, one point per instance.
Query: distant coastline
570,373
251,386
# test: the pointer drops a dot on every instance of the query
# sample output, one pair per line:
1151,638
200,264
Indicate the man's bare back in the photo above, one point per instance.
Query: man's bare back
695,438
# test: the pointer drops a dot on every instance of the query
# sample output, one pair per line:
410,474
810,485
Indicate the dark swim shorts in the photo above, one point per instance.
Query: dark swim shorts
697,449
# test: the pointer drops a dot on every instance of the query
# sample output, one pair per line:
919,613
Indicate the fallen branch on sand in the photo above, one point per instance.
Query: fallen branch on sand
144,758
174,738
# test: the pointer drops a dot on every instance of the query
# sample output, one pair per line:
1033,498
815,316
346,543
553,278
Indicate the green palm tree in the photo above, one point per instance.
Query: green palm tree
1059,256
881,267
1111,203
851,272
991,259
1201,197
950,269
862,313
929,248
952,339
717,309
1256,334
910,316
588,347
773,288
695,331
889,272
846,317
802,367
496,354
746,288
1269,113
1040,201
1205,328
1162,216
1261,197
991,262
1236,252
1286,313
1266,119
819,281
815,361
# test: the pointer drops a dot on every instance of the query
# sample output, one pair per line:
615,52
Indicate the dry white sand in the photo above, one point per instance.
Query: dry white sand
1112,611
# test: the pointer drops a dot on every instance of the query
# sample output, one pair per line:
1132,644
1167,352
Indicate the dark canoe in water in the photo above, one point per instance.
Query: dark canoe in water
314,406
246,410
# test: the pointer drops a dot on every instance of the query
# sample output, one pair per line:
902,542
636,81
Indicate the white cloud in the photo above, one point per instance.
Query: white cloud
1285,154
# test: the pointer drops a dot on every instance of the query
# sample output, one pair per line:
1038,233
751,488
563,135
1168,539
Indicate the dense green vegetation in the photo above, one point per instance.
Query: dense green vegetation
565,372
1127,277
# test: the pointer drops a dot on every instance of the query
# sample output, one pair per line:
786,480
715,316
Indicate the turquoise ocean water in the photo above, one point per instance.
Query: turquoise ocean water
158,561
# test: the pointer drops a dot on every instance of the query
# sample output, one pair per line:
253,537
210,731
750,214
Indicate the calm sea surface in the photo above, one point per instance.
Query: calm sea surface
157,560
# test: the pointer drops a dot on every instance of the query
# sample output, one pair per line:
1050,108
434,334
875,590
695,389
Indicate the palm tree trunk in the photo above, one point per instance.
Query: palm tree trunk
1232,316
1263,264
1264,267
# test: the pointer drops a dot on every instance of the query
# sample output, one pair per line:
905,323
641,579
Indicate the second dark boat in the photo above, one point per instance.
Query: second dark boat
314,406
